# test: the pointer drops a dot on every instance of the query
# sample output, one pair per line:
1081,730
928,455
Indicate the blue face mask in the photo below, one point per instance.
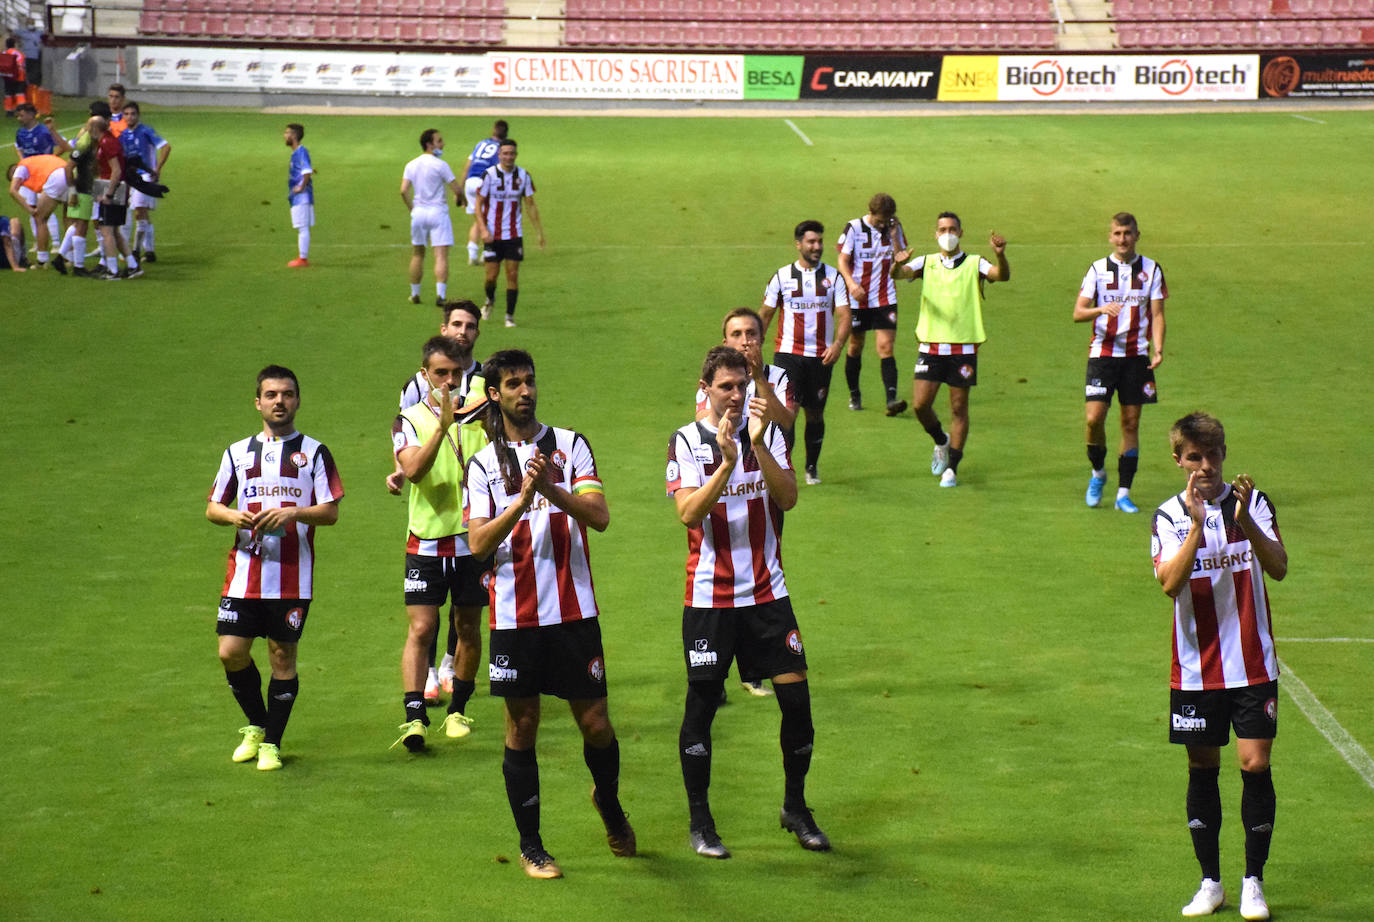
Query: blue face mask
438,151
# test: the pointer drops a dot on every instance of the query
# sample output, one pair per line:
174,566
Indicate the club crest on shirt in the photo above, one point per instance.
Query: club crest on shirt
1149,389
558,461
597,670
794,642
294,618
299,459
1271,709
966,371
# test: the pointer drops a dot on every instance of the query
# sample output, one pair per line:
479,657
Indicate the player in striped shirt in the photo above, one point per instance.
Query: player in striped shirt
1123,296
812,304
505,194
950,330
530,497
869,248
281,485
731,480
1212,546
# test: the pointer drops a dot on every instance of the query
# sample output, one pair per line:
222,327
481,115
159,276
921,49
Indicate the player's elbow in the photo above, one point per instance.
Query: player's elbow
329,514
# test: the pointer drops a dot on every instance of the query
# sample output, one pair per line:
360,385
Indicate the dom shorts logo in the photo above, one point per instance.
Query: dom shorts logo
227,615
500,669
294,618
597,670
413,583
1095,389
701,653
922,367
794,642
966,371
1187,719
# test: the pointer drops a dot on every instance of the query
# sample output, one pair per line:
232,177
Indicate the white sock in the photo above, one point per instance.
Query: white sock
473,250
65,247
1122,493
42,256
415,290
133,261
140,227
54,228
1100,475
441,289
303,242
79,256
148,237
111,263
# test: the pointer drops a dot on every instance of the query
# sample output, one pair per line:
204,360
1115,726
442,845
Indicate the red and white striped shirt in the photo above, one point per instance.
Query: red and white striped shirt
259,473
807,298
1135,286
505,194
543,572
778,380
734,555
871,251
1223,632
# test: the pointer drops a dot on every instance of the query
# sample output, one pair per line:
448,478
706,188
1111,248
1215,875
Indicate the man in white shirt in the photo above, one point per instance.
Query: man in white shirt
422,189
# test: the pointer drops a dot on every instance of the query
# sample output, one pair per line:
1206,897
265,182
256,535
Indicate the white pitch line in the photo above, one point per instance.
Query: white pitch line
1326,639
1304,118
793,126
1325,722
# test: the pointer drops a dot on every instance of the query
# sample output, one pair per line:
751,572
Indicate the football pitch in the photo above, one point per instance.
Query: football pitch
988,664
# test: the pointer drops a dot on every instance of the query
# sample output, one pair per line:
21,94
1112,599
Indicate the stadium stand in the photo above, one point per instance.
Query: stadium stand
1242,23
469,22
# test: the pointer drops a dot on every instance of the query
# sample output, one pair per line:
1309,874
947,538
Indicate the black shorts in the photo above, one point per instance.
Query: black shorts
863,319
512,250
1131,378
431,580
1205,718
112,215
563,660
762,639
810,378
283,620
954,370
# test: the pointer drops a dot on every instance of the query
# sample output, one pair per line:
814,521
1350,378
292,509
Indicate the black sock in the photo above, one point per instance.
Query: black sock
936,432
414,703
852,364
521,769
1257,813
281,695
462,691
433,654
813,435
604,764
490,289
1204,819
511,295
1125,468
451,642
888,368
694,747
955,456
246,684
796,737
1097,457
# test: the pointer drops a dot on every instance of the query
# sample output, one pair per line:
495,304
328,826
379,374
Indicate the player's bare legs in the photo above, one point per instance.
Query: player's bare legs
417,271
958,420
415,661
441,272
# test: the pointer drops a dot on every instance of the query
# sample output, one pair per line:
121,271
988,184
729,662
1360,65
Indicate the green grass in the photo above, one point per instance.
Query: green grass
988,664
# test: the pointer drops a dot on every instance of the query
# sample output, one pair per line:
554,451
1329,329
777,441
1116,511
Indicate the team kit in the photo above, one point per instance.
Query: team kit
500,505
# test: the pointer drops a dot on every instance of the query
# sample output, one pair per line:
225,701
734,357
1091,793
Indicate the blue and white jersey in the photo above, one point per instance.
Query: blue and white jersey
34,141
141,144
299,169
483,156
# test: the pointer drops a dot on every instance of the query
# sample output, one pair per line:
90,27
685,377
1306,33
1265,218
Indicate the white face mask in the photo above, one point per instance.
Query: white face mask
437,151
948,242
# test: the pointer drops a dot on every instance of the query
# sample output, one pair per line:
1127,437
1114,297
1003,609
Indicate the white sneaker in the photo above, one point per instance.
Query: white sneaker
486,309
939,458
948,478
1252,904
510,321
446,674
1207,900
432,687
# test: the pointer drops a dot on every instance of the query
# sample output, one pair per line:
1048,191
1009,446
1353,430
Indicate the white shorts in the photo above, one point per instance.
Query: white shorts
302,216
55,187
29,196
470,187
430,224
141,200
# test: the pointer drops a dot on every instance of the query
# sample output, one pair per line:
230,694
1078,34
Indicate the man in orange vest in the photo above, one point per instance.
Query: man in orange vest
12,66
47,175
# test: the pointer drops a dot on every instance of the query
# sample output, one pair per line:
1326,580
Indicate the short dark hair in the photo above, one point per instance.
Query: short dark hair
26,107
1125,219
807,227
742,312
723,357
130,104
949,214
440,345
1202,429
11,41
101,108
506,360
883,204
499,128
427,137
461,304
297,129
277,371
116,88
506,142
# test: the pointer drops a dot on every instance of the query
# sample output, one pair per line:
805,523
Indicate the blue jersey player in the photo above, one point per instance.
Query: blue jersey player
145,152
300,191
484,155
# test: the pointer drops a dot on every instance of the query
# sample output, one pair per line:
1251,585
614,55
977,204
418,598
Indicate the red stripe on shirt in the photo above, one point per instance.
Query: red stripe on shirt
758,531
723,586
526,582
1251,648
1208,637
562,545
